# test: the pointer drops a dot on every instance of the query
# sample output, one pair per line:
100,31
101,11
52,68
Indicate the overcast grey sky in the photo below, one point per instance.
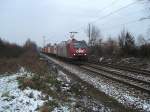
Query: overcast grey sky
22,19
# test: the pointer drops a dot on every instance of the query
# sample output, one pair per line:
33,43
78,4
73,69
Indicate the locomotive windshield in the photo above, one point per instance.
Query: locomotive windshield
80,44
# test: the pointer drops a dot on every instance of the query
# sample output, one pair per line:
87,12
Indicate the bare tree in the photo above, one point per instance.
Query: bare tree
94,34
121,38
30,45
143,46
95,40
126,43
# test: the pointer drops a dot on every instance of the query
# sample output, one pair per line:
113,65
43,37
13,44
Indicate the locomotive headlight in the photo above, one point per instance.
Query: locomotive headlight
74,54
85,54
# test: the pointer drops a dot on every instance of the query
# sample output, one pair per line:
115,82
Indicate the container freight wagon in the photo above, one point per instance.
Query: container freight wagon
55,49
45,50
62,49
71,49
48,50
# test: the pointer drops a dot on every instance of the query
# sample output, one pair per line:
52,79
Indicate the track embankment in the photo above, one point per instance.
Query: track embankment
113,74
121,92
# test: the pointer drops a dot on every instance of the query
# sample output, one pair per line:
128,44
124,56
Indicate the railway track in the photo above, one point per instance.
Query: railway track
118,76
127,68
104,72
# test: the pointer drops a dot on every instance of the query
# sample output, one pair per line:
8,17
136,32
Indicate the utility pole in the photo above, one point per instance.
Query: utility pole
89,32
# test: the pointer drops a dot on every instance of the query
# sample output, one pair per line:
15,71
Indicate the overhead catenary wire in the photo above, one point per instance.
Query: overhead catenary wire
137,20
113,12
123,24
126,23
126,17
116,11
112,3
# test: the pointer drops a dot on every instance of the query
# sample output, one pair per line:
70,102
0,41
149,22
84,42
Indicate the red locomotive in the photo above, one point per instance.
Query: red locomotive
71,49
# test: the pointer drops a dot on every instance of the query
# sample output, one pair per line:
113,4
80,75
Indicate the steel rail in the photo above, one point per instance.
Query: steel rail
118,73
118,79
127,68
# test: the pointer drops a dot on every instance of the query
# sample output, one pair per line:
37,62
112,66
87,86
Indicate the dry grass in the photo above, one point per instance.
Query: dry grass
42,79
10,65
27,82
44,109
28,59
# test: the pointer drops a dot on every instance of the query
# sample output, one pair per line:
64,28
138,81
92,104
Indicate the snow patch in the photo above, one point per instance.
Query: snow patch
61,109
63,77
13,99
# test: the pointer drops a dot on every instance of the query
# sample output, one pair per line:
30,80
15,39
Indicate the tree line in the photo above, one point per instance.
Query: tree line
12,50
125,45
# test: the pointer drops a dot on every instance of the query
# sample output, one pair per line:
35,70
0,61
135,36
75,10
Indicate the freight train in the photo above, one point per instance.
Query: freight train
71,49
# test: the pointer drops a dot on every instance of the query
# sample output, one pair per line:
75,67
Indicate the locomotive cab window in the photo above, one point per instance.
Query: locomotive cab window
80,44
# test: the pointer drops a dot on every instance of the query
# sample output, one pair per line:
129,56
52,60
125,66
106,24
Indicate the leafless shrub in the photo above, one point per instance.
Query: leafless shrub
95,39
127,44
145,50
143,47
8,50
12,56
